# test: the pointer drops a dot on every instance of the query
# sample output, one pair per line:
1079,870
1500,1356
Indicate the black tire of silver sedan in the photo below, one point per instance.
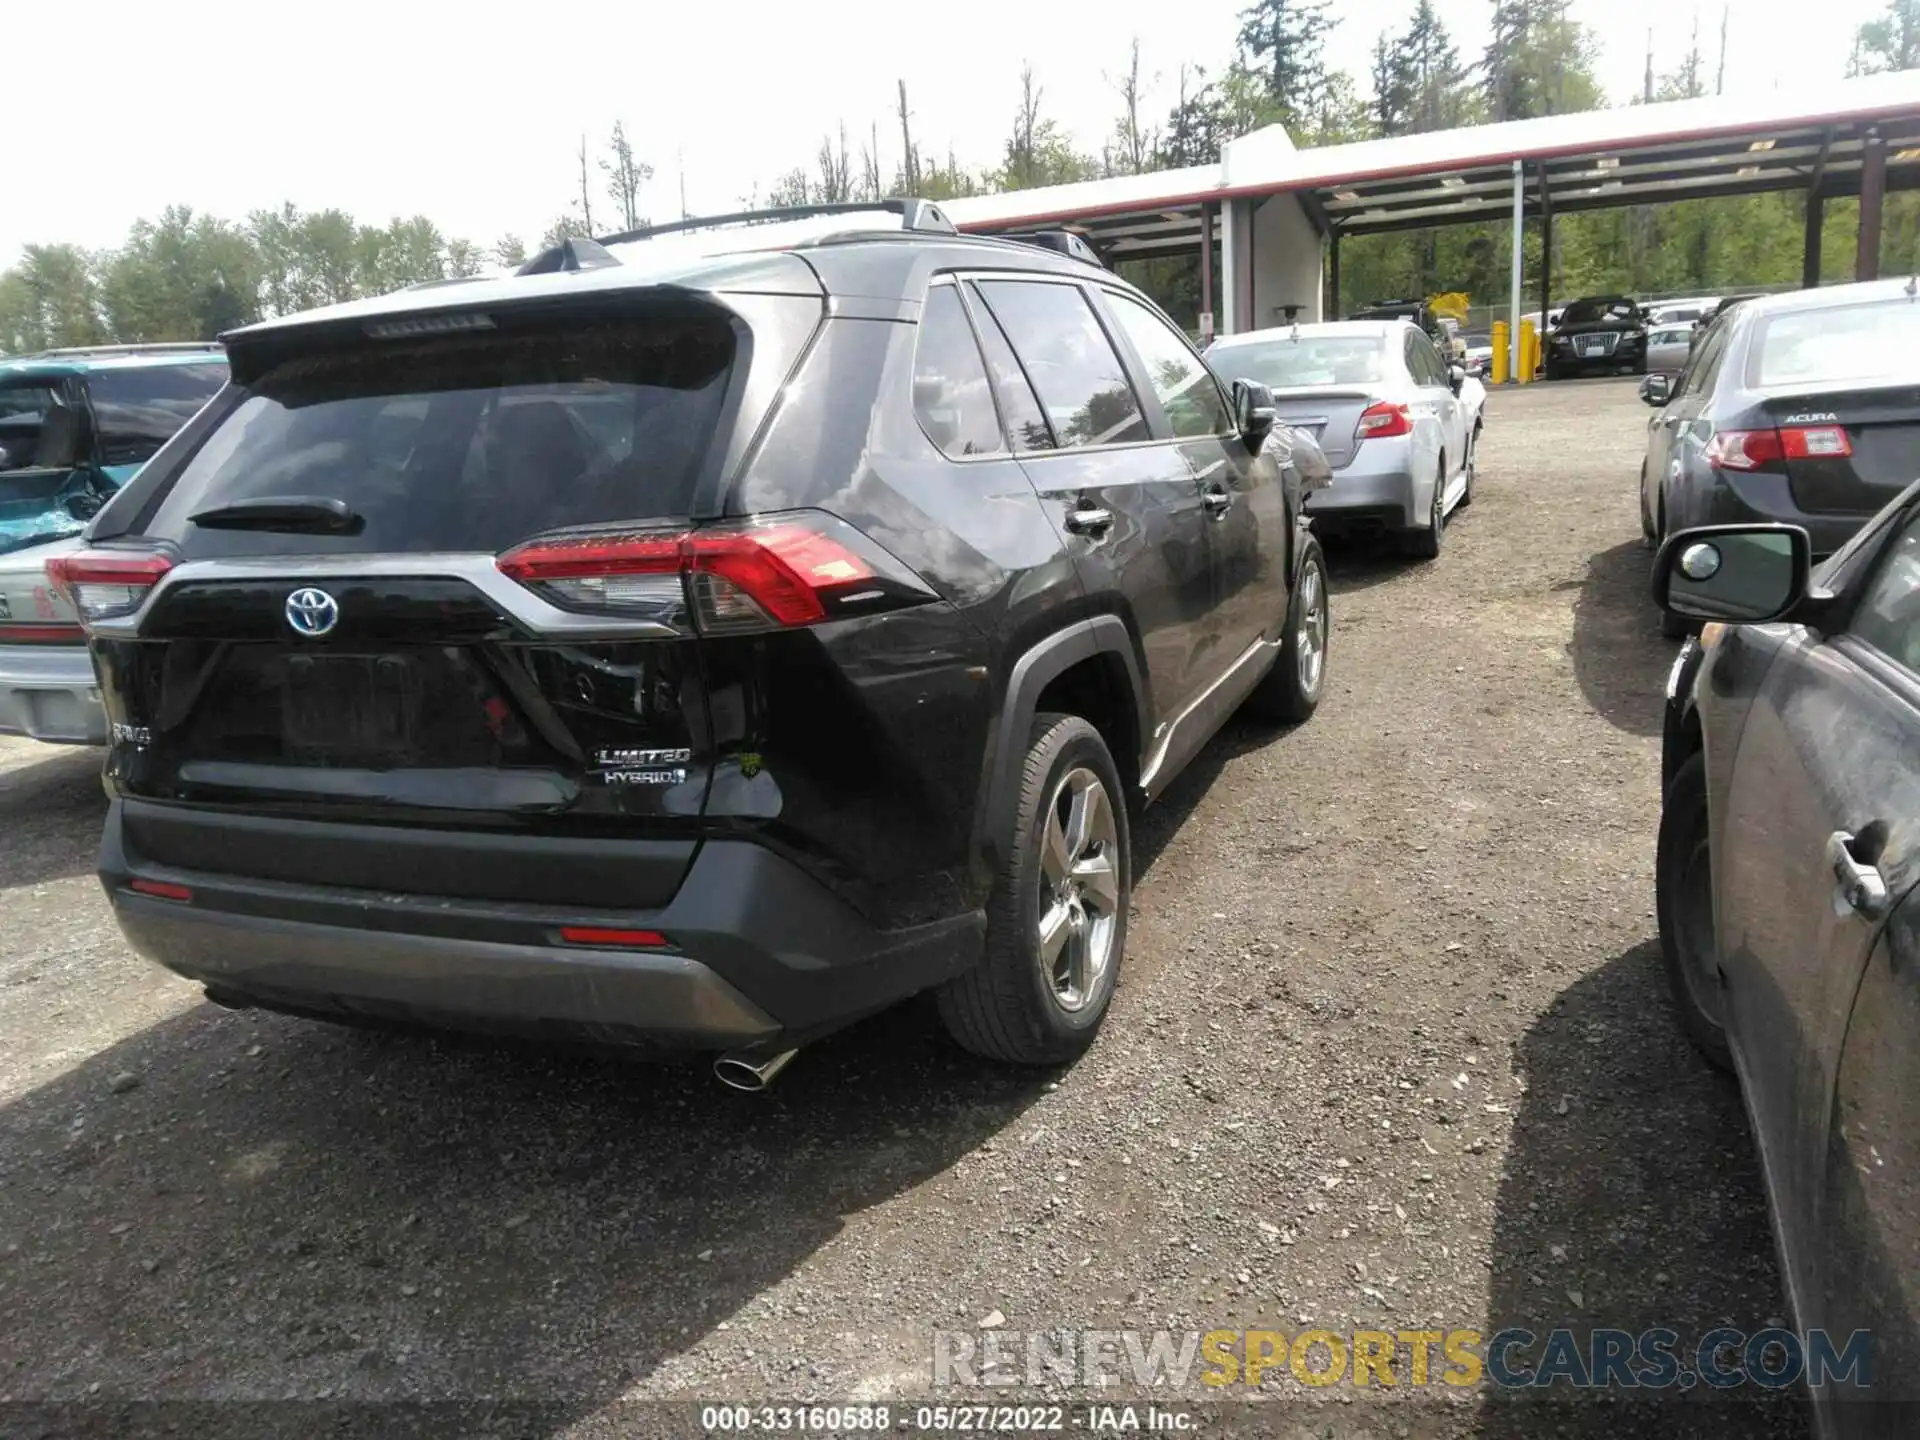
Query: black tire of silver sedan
1290,692
1057,918
1424,543
1683,899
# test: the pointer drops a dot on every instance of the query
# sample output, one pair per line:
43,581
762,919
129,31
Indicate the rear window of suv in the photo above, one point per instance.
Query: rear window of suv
473,442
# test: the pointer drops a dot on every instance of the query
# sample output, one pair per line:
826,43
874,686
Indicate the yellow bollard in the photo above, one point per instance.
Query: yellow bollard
1502,358
1529,352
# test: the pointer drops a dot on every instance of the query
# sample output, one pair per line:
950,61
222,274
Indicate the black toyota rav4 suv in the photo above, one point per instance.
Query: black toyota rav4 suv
697,641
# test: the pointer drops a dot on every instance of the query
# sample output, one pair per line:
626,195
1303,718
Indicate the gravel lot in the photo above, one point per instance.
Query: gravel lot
1391,1050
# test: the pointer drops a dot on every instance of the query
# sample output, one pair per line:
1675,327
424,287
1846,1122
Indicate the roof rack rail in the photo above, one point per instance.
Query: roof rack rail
157,347
1064,242
580,253
918,215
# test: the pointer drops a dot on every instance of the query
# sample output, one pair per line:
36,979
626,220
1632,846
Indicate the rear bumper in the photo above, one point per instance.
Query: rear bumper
759,953
1731,498
1374,488
48,692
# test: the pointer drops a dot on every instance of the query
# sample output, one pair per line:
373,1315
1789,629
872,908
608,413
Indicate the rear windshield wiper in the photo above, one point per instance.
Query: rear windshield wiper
297,514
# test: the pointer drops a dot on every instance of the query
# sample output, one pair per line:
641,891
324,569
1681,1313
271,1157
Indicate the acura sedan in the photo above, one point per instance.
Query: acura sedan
1788,856
1802,408
1398,426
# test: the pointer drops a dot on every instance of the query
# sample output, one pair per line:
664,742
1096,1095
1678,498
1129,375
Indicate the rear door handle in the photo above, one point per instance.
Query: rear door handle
1857,887
1089,520
1217,500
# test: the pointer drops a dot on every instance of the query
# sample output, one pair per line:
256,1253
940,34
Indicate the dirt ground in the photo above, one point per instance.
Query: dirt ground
1391,1050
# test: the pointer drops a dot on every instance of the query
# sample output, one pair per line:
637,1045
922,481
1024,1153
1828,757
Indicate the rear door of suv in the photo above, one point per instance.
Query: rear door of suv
1240,491
423,581
1126,500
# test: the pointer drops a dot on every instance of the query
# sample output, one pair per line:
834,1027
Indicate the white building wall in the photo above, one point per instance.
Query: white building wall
1287,263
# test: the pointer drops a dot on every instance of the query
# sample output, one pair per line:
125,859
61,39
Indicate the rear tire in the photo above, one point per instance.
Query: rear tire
1683,899
1057,918
1424,544
1290,692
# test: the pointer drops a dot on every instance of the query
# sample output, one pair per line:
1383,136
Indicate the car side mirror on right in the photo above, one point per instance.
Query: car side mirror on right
1656,389
1740,574
1253,412
1456,377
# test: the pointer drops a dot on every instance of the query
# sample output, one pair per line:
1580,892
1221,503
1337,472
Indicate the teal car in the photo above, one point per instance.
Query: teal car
74,427
76,424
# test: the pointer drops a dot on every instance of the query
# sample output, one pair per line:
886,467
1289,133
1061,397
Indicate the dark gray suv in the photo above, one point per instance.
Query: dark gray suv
699,640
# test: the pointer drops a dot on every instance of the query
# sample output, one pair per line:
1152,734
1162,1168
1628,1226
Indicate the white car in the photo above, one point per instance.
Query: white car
1687,312
1396,423
47,686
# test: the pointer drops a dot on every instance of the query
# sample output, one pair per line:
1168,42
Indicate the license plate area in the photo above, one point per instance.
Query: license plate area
352,708
1588,345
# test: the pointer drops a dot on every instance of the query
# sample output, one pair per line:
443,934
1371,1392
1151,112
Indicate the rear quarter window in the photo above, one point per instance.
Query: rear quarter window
467,443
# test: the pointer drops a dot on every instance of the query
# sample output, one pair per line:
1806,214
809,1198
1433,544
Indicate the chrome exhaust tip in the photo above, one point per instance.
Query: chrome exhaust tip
750,1070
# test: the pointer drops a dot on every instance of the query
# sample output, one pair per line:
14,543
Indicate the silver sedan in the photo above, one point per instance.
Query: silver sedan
1386,410
47,686
1668,347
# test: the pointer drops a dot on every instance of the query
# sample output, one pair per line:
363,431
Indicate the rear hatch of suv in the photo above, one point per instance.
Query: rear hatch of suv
423,582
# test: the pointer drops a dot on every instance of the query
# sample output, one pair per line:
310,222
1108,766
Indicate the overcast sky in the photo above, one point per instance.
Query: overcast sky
470,114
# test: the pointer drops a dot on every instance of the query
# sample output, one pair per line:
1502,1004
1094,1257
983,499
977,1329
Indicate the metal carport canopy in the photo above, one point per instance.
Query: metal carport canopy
1815,137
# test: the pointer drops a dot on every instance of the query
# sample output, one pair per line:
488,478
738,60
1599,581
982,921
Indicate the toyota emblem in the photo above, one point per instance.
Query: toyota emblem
312,612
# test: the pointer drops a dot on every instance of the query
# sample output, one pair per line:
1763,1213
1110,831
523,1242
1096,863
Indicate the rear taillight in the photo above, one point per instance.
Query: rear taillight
104,586
1377,422
1757,449
767,574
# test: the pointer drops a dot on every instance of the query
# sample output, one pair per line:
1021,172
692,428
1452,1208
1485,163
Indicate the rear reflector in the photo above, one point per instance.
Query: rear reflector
160,890
54,634
1757,449
1378,422
613,939
763,575
103,585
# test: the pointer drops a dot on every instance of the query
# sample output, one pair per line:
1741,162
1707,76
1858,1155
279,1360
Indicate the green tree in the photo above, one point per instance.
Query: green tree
1133,146
1038,152
181,277
1288,39
1891,41
625,175
50,298
510,251
1538,61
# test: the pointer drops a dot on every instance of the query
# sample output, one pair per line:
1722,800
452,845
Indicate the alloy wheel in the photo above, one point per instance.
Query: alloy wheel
1079,897
1310,643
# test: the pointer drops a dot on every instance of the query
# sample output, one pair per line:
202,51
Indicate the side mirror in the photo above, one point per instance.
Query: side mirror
1656,389
1738,573
1456,377
1253,413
